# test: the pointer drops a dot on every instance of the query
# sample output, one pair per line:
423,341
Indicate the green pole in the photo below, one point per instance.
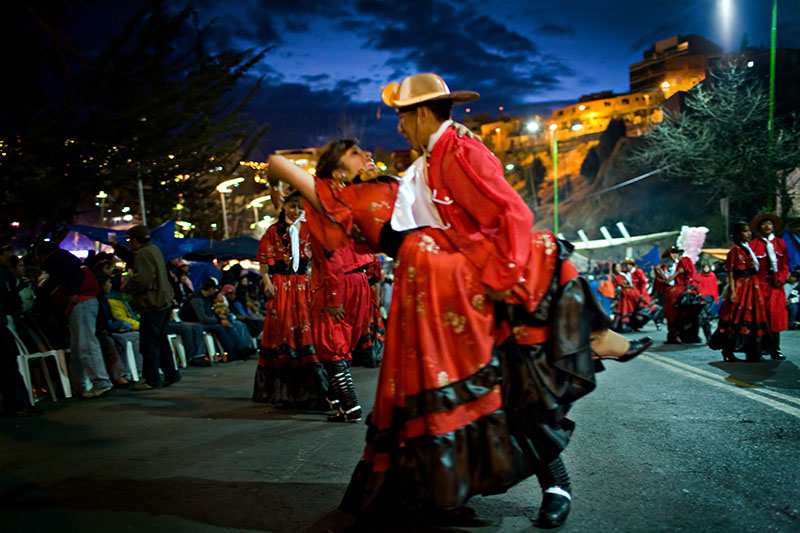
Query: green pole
555,185
773,38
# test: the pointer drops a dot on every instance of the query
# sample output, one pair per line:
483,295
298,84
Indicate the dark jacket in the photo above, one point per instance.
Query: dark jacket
198,308
149,283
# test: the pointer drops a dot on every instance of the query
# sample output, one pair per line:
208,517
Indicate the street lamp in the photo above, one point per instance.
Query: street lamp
553,128
222,189
533,126
258,202
102,197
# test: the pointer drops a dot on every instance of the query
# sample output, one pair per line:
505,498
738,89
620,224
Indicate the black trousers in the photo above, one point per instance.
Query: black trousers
154,345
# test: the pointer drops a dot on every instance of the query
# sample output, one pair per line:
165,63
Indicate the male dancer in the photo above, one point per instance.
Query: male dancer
773,270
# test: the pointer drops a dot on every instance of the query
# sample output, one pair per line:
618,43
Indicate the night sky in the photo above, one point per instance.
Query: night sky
322,78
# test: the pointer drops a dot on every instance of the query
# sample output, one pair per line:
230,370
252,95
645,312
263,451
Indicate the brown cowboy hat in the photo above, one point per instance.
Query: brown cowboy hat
671,250
777,222
419,88
628,261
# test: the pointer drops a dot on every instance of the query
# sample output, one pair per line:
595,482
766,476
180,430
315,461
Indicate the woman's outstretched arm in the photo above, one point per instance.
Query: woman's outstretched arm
282,169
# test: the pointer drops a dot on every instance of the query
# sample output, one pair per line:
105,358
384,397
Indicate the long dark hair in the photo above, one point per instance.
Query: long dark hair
737,230
329,157
282,225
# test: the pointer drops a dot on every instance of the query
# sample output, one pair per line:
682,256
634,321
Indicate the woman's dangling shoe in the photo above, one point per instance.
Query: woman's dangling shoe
728,356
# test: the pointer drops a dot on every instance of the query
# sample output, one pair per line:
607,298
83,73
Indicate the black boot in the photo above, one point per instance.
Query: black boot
776,351
557,499
344,390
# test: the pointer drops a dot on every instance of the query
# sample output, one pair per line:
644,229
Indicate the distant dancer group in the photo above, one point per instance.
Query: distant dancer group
491,335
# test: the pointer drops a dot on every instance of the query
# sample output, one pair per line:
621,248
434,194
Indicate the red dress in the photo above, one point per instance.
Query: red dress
769,277
707,284
441,429
370,346
676,318
627,301
640,282
288,370
742,325
338,278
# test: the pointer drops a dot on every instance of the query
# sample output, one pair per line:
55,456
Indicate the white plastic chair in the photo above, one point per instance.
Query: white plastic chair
23,363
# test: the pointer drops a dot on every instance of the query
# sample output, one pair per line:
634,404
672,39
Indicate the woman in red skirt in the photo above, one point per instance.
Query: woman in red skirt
743,325
288,372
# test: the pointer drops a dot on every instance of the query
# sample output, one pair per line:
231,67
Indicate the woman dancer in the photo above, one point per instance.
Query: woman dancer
288,371
743,325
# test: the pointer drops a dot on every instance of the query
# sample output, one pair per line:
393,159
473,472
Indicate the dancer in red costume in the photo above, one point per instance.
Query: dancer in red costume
678,278
773,270
479,323
288,372
742,325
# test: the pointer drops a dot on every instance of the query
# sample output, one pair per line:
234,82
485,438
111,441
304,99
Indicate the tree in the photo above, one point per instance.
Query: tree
156,105
720,142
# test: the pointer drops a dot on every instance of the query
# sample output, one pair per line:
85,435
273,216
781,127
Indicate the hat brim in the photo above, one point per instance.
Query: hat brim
670,251
457,97
777,222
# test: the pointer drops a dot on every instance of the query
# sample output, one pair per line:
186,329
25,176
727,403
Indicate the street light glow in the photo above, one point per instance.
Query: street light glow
532,126
259,202
553,127
510,166
577,126
225,186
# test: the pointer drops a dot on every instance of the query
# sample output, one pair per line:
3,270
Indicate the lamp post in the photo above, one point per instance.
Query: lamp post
772,41
102,197
553,128
224,188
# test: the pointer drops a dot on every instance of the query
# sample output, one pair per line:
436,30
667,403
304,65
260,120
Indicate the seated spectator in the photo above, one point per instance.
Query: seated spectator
199,308
114,336
222,307
237,303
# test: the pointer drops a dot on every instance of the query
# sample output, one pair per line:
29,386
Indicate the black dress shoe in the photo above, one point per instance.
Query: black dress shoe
636,347
777,355
555,507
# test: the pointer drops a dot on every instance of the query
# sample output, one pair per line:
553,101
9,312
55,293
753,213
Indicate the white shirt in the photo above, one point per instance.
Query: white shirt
414,207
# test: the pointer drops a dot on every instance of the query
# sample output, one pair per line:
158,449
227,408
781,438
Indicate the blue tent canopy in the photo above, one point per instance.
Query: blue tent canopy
649,260
162,236
792,247
235,248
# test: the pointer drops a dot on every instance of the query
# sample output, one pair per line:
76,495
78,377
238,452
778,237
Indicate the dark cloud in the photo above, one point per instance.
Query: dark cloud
555,29
468,50
662,31
316,78
321,115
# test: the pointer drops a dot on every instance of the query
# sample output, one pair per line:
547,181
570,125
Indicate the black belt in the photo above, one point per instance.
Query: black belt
390,240
287,270
359,269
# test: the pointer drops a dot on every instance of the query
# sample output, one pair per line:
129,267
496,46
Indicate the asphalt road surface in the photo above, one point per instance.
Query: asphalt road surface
675,440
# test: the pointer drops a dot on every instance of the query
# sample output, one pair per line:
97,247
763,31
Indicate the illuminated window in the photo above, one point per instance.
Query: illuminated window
607,104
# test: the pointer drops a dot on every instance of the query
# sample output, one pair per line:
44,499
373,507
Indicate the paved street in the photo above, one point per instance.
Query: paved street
676,440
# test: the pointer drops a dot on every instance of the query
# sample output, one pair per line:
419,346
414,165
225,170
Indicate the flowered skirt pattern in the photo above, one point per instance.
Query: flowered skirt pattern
439,432
743,326
288,371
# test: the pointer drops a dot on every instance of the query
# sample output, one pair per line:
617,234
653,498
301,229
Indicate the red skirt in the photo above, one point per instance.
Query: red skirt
775,302
743,325
440,431
337,340
288,370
